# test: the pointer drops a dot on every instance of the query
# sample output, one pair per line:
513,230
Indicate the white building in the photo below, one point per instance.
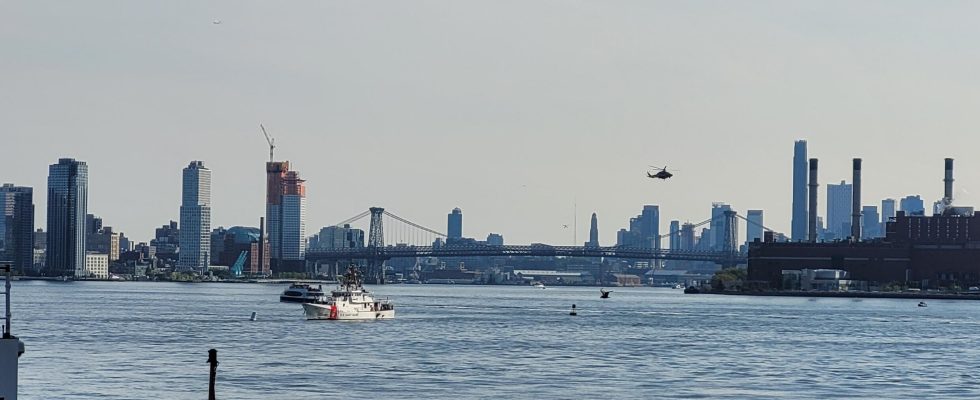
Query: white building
96,266
195,219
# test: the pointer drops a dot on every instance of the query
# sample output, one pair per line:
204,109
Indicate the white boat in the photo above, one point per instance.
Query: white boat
678,286
350,302
302,293
539,285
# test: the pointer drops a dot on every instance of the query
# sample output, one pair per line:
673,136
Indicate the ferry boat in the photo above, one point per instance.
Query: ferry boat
350,301
302,293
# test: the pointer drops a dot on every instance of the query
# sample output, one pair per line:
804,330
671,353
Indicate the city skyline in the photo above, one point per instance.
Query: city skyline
654,83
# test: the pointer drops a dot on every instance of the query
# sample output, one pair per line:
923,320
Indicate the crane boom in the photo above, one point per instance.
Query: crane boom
272,143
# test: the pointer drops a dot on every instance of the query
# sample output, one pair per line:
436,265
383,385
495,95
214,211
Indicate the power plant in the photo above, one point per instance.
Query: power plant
918,251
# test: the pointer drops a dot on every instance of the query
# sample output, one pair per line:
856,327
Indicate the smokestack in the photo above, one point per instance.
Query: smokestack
812,210
856,202
948,180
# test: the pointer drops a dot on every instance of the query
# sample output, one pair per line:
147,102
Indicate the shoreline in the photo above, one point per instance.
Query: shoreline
859,295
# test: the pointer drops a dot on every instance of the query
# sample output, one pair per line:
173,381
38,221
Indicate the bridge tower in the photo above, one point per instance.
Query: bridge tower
731,238
376,243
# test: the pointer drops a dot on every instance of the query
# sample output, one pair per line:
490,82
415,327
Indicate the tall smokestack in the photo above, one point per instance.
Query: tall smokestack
948,180
856,202
812,209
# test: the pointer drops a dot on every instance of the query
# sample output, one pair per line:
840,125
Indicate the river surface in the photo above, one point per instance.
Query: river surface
141,340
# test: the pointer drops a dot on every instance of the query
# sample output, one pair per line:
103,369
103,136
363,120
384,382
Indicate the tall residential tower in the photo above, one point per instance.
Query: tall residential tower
454,228
67,207
285,211
195,219
17,227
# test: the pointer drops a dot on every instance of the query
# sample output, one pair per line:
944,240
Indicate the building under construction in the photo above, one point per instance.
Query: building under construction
928,252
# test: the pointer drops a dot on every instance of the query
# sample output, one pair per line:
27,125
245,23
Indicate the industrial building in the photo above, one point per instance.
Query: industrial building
927,252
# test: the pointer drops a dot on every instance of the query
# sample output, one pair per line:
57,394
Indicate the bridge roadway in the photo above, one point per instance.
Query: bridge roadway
390,252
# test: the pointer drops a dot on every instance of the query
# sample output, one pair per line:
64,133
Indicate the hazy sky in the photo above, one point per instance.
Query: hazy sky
510,110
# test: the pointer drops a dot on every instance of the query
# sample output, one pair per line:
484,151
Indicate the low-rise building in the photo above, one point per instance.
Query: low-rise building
96,266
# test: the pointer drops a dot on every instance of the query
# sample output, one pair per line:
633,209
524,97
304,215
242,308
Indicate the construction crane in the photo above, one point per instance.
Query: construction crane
272,143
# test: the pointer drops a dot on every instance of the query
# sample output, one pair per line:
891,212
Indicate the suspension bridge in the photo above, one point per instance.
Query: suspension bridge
411,240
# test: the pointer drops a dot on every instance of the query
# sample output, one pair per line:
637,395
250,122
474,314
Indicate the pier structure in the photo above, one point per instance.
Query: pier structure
11,348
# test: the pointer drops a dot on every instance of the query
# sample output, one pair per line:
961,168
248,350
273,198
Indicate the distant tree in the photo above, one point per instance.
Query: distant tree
728,279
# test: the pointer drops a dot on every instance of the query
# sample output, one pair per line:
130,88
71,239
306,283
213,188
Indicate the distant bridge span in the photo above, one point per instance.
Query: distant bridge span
376,252
389,252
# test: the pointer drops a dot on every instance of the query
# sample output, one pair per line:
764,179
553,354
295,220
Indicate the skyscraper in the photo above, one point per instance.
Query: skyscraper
675,235
912,205
839,201
275,173
887,211
17,226
195,219
293,232
871,224
719,225
799,191
454,229
593,232
644,230
753,229
650,226
67,207
285,212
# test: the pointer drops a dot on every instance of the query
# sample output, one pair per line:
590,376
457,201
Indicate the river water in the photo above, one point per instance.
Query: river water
141,340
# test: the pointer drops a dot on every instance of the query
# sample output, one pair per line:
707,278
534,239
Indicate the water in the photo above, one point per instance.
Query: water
150,340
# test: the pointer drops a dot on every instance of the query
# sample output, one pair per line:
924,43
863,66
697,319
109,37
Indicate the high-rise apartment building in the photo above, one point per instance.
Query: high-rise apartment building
870,223
644,230
454,228
67,207
675,235
800,170
719,225
753,228
839,199
293,245
285,213
887,212
195,219
912,205
17,227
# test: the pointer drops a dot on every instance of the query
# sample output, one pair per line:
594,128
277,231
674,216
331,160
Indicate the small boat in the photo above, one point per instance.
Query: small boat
923,304
539,285
678,286
350,302
302,293
604,294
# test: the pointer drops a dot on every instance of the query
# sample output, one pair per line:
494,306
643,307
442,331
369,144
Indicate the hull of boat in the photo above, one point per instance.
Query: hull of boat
332,312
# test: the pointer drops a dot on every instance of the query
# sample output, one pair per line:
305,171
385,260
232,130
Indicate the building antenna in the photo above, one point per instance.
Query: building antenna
272,143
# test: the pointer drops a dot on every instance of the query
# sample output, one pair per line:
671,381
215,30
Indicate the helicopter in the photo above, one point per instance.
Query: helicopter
662,174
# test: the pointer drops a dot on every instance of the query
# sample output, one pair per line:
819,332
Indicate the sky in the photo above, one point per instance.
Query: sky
519,112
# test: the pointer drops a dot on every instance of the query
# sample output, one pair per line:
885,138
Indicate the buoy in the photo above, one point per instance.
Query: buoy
573,311
254,314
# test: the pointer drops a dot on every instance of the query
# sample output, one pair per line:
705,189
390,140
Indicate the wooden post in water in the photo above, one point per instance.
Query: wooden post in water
213,360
